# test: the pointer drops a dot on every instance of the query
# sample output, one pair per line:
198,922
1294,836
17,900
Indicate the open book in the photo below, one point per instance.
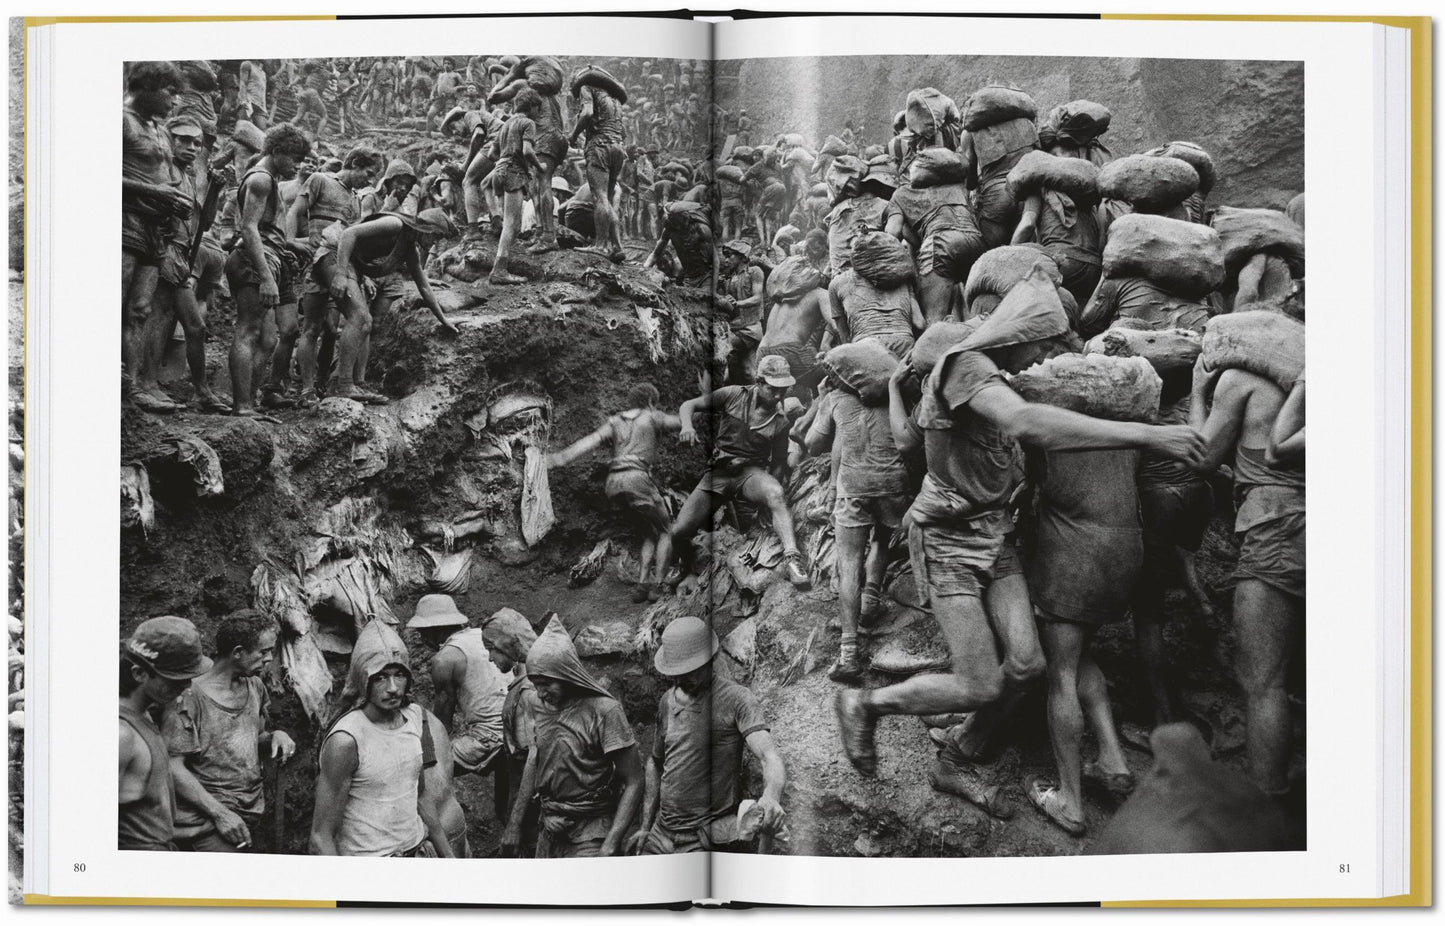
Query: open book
804,460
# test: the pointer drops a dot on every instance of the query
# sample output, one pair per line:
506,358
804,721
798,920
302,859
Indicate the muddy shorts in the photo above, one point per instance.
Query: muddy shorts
719,835
175,264
476,747
963,558
143,236
875,511
282,264
208,273
732,209
607,161
730,485
1083,573
1273,552
551,146
950,253
582,840
1175,514
509,177
638,498
996,211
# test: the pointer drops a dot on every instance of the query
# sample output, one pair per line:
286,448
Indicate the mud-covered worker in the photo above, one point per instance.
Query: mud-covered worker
860,311
517,172
509,638
696,768
325,204
869,492
769,194
749,461
372,250
217,735
264,269
311,108
585,768
793,326
253,94
853,211
1087,551
600,121
958,525
632,437
543,75
185,284
373,797
935,218
743,293
467,688
157,663
1068,229
687,226
1237,411
445,88
150,202
988,155
478,130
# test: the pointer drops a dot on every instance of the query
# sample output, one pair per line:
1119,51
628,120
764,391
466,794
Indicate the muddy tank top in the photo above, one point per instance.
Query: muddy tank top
484,688
149,822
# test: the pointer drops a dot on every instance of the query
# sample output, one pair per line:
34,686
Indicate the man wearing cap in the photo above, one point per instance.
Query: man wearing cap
585,755
749,460
467,688
958,526
743,293
217,737
374,796
703,721
157,663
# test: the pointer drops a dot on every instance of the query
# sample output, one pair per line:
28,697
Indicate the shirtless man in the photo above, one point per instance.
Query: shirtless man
445,88
544,75
793,326
749,460
517,170
687,227
150,202
157,663
600,120
633,436
217,735
262,271
970,424
1270,575
253,94
324,200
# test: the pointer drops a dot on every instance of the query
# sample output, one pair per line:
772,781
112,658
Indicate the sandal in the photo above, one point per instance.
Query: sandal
308,399
964,781
1119,784
1048,800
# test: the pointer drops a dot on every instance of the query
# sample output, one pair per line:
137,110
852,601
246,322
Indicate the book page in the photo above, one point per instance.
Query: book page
365,544
1029,781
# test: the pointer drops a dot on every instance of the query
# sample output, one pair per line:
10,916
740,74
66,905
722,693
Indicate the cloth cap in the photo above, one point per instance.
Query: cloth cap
185,120
170,647
436,611
688,643
774,371
738,246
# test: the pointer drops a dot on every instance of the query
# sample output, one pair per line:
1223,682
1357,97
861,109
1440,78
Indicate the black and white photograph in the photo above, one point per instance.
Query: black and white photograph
531,456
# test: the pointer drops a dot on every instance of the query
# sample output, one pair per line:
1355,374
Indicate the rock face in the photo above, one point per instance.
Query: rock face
1248,114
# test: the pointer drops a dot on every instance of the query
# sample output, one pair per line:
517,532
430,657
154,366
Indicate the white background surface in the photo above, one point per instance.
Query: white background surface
550,42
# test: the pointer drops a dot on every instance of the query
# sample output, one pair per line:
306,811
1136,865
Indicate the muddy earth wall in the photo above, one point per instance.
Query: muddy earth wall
1248,114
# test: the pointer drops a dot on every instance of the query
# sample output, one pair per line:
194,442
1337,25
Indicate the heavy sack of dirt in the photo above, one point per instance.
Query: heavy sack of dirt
1244,233
1183,258
594,76
1268,344
928,112
939,337
864,367
730,172
1116,388
993,105
1149,183
1080,122
544,74
882,260
937,166
1168,351
1000,269
1191,154
793,277
832,147
1038,170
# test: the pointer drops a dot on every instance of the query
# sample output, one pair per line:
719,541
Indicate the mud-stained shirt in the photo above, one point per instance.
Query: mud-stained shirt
869,465
329,200
965,451
221,747
700,743
738,441
933,209
574,744
145,150
606,127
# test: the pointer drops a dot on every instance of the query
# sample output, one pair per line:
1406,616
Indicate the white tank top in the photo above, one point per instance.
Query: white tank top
484,687
381,816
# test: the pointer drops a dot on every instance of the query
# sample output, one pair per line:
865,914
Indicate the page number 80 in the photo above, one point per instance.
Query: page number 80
78,866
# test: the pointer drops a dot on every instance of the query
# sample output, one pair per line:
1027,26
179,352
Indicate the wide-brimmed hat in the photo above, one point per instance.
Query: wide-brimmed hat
774,371
436,611
688,643
170,647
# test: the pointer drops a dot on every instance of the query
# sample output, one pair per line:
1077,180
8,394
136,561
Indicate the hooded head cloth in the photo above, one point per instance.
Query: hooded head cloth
378,645
553,656
509,632
1031,311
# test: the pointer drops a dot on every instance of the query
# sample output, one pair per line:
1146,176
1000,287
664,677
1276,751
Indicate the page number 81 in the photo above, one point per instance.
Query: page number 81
1345,869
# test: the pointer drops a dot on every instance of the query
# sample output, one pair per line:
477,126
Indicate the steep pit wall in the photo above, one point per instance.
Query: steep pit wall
1248,114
